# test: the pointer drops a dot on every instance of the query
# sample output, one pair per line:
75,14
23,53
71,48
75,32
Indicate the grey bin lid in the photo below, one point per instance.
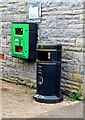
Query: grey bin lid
58,46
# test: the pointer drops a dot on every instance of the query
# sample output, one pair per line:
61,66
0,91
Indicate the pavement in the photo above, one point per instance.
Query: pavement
18,102
71,111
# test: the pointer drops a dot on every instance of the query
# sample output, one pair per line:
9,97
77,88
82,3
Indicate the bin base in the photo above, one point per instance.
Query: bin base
47,99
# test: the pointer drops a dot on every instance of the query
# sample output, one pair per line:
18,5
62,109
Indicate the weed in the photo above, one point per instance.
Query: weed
76,96
29,86
17,82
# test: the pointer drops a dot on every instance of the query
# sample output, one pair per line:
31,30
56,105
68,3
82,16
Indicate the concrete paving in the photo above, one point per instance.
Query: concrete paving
71,111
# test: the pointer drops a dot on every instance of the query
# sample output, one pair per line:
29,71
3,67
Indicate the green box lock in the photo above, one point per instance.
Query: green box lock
23,40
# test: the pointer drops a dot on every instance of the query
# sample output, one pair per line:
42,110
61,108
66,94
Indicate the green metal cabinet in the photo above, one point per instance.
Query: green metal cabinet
22,42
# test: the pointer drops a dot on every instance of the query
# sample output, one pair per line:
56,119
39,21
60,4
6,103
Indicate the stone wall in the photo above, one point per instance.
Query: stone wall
62,22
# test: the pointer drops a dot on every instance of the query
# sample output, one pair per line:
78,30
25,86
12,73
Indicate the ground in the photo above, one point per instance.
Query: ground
18,102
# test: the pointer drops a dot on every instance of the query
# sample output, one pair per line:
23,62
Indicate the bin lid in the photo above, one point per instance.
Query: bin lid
58,46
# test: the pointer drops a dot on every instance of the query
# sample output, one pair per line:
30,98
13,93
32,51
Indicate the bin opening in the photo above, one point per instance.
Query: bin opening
18,48
43,55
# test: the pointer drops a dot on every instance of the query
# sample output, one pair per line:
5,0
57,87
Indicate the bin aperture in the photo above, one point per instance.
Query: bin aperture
48,74
23,40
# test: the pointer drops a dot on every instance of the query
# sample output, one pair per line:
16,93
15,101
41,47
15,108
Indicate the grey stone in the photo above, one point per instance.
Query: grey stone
6,17
74,49
77,5
62,24
79,42
66,75
51,22
3,41
78,58
82,70
70,68
14,8
71,17
77,26
67,55
73,22
74,33
32,75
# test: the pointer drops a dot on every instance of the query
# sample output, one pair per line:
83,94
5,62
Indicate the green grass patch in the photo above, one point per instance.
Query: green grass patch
76,96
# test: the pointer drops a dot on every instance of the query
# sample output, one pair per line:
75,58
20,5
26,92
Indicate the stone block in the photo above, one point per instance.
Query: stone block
44,33
7,58
71,17
3,41
75,26
83,58
62,24
77,11
67,33
77,77
78,58
74,49
73,22
83,42
72,40
51,22
76,5
82,69
79,42
31,75
67,12
77,88
66,75
67,55
70,68
74,33
16,17
14,7
62,7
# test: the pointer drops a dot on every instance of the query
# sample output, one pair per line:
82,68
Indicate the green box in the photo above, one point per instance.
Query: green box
23,40
20,40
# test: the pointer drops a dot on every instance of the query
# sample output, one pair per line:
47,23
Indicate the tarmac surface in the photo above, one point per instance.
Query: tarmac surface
18,102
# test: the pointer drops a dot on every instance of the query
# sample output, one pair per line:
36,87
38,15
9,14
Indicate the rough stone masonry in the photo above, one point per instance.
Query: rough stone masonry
62,22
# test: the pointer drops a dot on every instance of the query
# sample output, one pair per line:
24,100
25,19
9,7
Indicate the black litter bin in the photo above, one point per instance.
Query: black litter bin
48,74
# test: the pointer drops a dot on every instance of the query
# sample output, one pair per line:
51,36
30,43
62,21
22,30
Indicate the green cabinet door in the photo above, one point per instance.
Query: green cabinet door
20,40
